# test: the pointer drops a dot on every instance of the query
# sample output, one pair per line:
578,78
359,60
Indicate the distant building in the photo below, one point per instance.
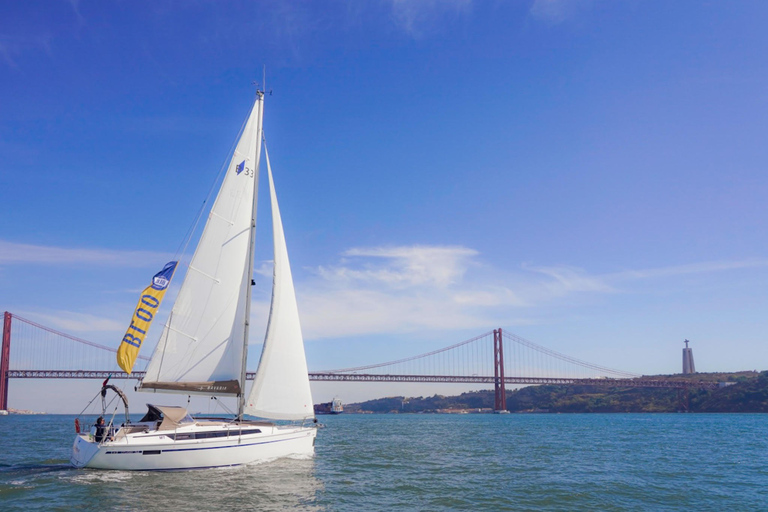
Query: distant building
688,366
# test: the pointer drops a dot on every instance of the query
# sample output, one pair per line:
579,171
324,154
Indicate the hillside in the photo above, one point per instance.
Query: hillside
747,392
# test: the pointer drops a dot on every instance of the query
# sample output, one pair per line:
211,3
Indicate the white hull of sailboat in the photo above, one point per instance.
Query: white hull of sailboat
159,451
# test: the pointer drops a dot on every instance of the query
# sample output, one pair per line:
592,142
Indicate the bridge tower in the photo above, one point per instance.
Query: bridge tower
5,356
500,400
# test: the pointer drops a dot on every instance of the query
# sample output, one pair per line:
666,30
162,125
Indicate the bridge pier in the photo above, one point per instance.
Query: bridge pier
5,356
500,399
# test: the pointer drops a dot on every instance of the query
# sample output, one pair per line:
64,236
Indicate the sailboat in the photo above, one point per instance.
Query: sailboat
203,347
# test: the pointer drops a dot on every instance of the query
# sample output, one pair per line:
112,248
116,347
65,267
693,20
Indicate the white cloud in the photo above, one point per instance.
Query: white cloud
13,46
12,253
264,268
555,11
376,290
692,268
358,312
384,290
70,321
416,265
75,4
394,289
571,279
5,55
417,17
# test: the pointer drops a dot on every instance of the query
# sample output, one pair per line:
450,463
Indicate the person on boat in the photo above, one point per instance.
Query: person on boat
101,429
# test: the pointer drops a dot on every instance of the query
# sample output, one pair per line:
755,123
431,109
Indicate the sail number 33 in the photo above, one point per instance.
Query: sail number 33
241,168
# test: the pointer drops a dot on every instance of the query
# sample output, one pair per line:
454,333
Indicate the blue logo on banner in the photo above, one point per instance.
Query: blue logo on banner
162,279
240,167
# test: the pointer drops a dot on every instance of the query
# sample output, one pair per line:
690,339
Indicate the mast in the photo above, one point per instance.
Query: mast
251,246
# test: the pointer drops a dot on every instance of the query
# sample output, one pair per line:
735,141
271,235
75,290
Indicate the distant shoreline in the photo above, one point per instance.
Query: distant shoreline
24,412
739,392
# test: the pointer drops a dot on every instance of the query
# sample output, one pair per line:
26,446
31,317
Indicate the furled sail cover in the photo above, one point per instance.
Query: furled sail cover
281,388
201,348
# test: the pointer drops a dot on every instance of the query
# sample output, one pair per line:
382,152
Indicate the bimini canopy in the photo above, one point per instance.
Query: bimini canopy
169,416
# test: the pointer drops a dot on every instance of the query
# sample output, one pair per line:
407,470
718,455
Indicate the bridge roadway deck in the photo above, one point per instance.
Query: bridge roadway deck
639,382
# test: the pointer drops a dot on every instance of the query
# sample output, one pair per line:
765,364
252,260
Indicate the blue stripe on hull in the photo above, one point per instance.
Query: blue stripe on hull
233,446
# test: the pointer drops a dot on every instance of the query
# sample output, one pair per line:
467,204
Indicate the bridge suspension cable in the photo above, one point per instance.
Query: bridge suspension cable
36,347
69,336
413,358
557,355
474,357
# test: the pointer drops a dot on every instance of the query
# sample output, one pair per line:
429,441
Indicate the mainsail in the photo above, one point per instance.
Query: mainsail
281,388
201,349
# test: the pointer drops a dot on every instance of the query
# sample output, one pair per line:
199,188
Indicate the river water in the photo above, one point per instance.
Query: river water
542,462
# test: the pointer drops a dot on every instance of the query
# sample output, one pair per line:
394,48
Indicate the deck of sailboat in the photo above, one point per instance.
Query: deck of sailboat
200,429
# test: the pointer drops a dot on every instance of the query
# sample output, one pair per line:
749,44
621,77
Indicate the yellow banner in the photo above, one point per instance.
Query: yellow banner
145,312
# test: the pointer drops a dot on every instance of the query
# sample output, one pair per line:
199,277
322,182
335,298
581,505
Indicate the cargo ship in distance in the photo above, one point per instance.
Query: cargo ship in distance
333,407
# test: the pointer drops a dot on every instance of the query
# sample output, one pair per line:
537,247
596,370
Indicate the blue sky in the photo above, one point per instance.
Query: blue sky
589,175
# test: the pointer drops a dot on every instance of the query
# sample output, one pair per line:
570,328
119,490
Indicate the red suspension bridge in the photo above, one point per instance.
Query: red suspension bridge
31,350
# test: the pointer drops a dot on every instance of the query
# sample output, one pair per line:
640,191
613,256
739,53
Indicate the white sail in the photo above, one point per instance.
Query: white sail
281,387
201,348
